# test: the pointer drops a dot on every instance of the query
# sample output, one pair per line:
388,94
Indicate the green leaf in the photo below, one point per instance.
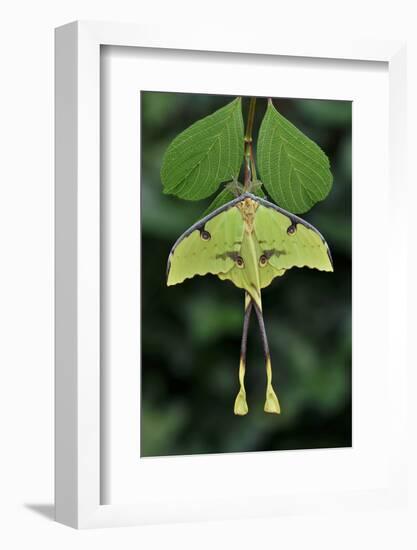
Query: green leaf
223,197
294,170
204,155
259,192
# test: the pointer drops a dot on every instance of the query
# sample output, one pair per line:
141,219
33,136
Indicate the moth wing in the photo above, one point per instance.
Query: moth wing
209,246
268,273
288,241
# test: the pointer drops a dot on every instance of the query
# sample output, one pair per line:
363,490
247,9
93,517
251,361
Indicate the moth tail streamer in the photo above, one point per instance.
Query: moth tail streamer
241,406
271,399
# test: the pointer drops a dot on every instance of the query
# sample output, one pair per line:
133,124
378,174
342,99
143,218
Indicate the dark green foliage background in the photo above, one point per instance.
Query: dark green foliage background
191,332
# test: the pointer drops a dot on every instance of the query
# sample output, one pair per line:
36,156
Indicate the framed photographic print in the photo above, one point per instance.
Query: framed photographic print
228,343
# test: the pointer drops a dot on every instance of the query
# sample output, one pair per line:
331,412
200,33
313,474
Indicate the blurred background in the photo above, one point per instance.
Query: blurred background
191,332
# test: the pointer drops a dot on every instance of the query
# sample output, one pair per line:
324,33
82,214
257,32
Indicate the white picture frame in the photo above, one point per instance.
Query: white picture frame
79,408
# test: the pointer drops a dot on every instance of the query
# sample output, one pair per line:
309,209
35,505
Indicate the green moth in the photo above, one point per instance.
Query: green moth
248,241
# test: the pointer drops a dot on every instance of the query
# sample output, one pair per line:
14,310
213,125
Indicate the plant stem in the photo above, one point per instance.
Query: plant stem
252,163
250,169
251,118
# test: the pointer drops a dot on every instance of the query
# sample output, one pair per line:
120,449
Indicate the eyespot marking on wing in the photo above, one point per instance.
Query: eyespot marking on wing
292,229
263,260
205,235
240,262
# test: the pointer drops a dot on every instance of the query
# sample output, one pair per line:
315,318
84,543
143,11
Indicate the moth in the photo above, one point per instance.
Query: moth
248,241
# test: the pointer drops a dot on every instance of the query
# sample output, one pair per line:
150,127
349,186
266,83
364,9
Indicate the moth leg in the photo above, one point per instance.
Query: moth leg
235,187
241,406
271,401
